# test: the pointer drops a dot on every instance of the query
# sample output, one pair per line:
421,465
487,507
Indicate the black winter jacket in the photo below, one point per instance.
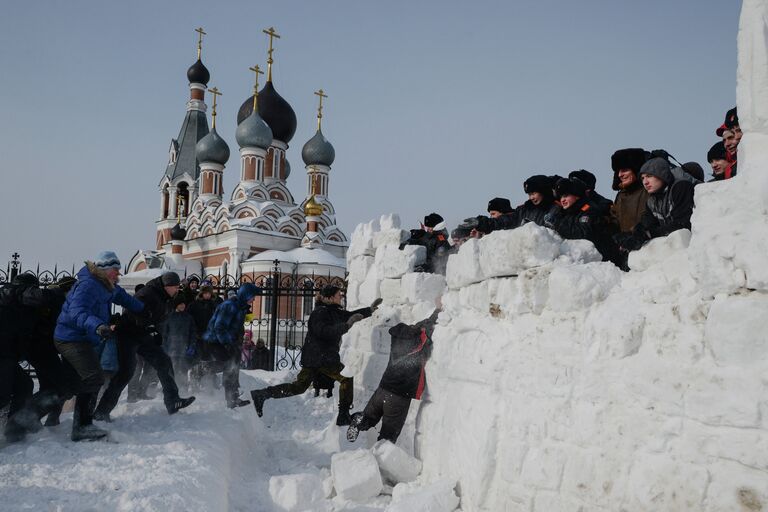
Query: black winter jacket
666,211
326,325
28,316
202,311
523,214
584,221
157,306
411,347
437,246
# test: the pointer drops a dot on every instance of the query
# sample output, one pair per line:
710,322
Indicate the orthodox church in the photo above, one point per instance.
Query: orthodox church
200,231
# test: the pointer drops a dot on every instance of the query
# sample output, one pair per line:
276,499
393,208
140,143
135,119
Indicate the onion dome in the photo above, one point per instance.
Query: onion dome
253,132
312,208
198,73
178,233
287,169
318,151
212,148
277,113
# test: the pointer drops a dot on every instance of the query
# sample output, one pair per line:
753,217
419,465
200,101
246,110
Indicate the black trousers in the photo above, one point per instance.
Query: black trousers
154,355
84,360
57,378
143,377
390,409
15,385
225,359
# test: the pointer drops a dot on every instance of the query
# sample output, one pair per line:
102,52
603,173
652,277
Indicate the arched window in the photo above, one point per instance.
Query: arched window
182,198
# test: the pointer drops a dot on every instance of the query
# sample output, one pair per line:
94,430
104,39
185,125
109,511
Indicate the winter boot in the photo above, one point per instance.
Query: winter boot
102,416
88,433
234,400
317,392
343,418
53,416
259,396
179,403
354,427
329,393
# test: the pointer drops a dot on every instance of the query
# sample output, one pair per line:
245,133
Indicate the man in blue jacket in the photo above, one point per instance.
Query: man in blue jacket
224,338
80,329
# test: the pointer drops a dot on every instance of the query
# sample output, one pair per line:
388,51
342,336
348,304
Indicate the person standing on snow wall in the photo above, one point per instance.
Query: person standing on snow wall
81,326
320,355
403,380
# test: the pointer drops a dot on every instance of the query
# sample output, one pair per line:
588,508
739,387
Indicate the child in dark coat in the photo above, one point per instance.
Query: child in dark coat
179,332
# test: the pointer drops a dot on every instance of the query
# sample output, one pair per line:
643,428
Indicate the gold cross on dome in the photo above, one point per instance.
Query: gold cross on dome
215,93
272,34
321,94
258,72
200,34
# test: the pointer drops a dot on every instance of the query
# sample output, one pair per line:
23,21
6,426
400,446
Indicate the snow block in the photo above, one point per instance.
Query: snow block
577,287
389,237
390,221
439,496
735,330
370,289
422,287
579,251
395,464
296,492
391,291
464,267
393,263
508,253
361,241
358,268
658,250
356,475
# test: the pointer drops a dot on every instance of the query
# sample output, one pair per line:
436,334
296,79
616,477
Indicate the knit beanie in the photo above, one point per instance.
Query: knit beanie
499,204
660,168
170,279
717,152
107,259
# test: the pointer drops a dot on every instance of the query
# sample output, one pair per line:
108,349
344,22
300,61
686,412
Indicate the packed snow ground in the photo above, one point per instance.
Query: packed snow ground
205,458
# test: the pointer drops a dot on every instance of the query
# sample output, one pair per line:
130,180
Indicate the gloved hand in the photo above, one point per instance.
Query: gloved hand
105,331
549,220
354,319
375,304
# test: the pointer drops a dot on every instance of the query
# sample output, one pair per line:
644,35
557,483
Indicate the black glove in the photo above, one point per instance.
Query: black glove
105,331
375,304
550,219
352,320
629,241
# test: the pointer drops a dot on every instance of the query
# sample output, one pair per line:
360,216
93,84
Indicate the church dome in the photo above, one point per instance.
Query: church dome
253,132
198,73
178,233
287,169
275,111
212,148
318,151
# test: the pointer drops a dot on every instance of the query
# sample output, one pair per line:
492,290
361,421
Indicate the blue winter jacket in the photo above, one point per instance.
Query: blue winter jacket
88,305
226,326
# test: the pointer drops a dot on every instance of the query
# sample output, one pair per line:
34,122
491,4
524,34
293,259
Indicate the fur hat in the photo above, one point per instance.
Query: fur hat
499,204
570,186
329,291
584,176
170,279
432,220
660,168
629,158
717,152
538,183
107,259
205,288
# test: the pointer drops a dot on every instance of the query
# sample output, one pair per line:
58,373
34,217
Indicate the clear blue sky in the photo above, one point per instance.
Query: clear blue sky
434,105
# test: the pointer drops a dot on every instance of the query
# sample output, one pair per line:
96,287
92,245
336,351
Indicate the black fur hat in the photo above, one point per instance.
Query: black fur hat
584,176
539,183
629,158
573,186
432,220
500,204
329,291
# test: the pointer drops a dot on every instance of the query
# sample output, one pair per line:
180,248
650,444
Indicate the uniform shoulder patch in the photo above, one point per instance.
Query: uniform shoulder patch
585,207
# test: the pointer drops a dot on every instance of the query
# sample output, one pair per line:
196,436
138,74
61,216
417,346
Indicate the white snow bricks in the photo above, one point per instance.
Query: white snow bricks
395,464
297,492
659,250
438,496
356,475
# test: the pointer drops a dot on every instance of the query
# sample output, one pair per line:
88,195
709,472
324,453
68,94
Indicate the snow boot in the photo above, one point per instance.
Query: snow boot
259,396
236,401
179,403
102,416
88,433
354,427
343,418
